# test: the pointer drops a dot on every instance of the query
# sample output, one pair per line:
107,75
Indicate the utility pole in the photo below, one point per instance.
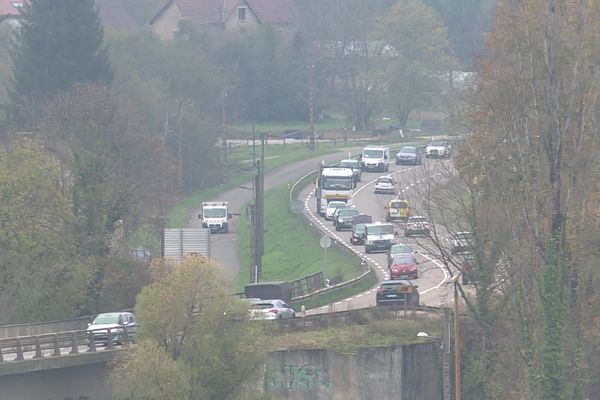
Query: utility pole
224,127
311,106
446,348
457,377
180,150
257,226
451,93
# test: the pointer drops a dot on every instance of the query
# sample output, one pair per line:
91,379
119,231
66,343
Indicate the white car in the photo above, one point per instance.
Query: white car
116,323
271,309
331,207
385,184
438,148
462,242
417,225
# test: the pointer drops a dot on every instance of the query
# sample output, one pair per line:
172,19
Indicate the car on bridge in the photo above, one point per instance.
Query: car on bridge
117,323
397,292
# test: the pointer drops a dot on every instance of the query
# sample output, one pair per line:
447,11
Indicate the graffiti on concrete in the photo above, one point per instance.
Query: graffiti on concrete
297,377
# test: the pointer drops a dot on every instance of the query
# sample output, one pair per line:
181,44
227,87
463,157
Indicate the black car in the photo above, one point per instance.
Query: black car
409,155
358,234
343,219
397,292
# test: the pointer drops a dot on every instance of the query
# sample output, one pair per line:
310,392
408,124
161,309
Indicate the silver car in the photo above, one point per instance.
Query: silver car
331,207
117,323
385,184
271,309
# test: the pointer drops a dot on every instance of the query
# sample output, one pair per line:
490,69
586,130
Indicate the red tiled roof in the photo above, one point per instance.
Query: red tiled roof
217,11
7,7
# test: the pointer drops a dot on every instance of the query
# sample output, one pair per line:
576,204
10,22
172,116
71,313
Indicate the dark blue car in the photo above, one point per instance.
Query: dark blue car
409,155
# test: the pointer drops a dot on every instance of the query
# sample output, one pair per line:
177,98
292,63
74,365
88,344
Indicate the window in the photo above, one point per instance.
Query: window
17,4
242,13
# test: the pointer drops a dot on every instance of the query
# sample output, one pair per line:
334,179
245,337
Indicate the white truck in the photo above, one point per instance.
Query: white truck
215,216
334,184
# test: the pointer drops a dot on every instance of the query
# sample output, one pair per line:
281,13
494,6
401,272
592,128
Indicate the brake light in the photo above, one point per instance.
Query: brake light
273,310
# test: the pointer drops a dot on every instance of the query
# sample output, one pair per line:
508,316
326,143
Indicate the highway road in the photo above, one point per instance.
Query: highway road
433,275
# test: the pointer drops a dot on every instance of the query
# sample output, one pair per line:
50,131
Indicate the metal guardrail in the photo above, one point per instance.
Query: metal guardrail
54,344
344,247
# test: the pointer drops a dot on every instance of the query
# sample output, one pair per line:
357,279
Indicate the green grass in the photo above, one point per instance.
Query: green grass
374,328
292,250
337,294
337,122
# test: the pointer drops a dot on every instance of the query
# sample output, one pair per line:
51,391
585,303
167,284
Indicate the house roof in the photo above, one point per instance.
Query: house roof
7,7
218,11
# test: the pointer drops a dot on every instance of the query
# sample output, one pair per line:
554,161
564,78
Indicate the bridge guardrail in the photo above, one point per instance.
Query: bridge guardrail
115,338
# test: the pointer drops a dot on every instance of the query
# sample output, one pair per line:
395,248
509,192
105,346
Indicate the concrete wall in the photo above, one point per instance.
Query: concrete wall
77,383
400,372
32,329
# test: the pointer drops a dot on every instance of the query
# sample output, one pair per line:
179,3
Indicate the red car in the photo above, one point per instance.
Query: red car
404,266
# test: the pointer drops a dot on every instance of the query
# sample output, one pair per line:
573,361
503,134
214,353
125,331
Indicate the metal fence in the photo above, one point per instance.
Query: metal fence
338,245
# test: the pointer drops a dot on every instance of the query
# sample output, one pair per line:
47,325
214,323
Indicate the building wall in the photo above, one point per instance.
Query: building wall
167,24
234,23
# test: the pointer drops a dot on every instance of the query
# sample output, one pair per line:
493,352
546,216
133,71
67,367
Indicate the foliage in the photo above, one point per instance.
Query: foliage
111,171
42,276
58,44
194,341
419,42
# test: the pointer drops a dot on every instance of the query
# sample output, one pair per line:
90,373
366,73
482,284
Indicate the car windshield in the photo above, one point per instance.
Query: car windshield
337,183
262,306
359,229
438,143
336,204
408,150
404,259
347,213
380,230
349,163
384,180
399,204
215,212
401,248
103,319
372,153
417,219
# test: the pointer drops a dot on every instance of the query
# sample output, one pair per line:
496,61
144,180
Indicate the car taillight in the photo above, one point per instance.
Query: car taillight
273,310
380,290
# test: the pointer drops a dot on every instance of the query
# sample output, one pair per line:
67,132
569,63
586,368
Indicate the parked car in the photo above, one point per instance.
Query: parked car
331,206
461,242
397,292
385,184
397,209
117,323
438,148
356,168
409,155
344,218
271,309
400,248
404,266
417,225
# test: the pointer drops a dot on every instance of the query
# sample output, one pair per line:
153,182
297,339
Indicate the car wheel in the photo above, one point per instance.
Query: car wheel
367,250
337,228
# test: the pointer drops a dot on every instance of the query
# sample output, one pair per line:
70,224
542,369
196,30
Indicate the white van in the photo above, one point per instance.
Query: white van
375,158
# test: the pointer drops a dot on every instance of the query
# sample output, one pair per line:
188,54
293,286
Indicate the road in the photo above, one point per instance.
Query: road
432,274
224,247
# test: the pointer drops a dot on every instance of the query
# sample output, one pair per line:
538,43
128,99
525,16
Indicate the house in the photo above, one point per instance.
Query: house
226,17
10,12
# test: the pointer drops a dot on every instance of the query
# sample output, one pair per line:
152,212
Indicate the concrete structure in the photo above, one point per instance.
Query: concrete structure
225,17
411,372
82,376
40,328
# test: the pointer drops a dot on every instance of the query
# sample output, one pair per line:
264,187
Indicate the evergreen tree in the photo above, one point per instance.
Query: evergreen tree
58,45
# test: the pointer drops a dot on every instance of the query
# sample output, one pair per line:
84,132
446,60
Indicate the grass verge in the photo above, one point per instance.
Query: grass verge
337,294
292,249
375,329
